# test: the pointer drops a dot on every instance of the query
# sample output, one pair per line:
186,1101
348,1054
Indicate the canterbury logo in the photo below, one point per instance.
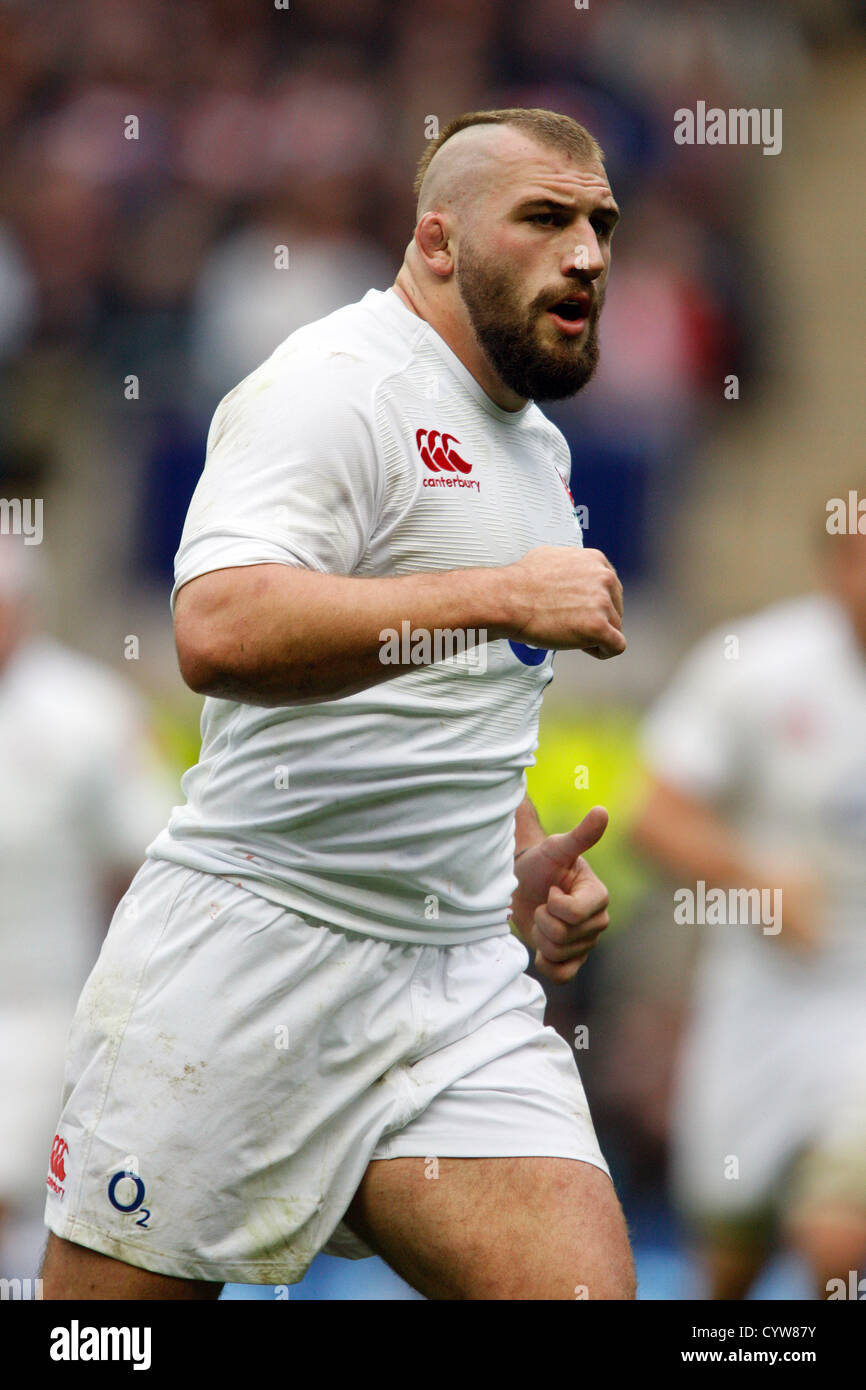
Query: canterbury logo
436,452
58,1151
56,1167
438,455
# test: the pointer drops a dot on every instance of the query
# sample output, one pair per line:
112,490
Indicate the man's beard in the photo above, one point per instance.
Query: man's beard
508,333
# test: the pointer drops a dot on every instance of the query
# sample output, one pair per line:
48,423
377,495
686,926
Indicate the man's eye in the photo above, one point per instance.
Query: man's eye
547,218
601,227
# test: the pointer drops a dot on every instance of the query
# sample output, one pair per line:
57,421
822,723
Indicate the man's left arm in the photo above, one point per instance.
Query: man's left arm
559,907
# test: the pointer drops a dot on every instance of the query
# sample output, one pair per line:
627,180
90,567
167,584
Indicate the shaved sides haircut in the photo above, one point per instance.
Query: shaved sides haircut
546,127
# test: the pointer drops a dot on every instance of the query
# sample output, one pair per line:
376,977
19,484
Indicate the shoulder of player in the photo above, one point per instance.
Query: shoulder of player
88,690
771,640
789,628
327,373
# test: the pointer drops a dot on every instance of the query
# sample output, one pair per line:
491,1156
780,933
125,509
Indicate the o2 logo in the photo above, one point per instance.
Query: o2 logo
529,656
126,1191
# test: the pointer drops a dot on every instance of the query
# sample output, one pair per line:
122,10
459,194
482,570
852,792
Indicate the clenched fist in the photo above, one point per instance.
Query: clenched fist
566,597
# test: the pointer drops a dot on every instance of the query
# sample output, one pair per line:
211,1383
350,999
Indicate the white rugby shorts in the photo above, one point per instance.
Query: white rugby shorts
755,1094
233,1067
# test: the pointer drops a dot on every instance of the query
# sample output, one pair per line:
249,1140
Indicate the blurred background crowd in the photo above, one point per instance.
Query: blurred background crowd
153,158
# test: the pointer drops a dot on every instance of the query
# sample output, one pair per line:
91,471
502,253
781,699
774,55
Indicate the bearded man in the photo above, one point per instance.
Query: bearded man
311,1026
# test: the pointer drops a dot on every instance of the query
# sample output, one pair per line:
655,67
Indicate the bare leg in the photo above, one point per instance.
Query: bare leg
832,1239
497,1228
732,1268
74,1272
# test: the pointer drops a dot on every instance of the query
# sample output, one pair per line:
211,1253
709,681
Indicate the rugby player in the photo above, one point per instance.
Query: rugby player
311,1027
81,794
758,782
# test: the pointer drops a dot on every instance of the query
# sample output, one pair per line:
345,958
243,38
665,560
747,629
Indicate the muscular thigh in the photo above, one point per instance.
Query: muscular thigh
496,1228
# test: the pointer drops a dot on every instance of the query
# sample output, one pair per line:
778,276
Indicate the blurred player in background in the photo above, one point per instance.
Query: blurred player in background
758,754
79,800
316,1029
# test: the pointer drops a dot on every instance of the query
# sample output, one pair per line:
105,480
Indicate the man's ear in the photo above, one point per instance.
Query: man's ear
433,240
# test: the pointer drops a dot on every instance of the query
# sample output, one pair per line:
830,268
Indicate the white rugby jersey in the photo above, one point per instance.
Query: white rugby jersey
80,797
775,739
364,447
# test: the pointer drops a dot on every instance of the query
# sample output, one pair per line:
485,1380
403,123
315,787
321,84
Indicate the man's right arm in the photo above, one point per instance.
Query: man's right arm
274,634
690,840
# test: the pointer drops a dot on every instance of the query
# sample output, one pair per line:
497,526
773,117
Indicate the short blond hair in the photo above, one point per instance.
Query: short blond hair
547,127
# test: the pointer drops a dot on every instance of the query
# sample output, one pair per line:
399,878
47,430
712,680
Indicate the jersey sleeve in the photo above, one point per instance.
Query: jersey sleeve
291,476
696,735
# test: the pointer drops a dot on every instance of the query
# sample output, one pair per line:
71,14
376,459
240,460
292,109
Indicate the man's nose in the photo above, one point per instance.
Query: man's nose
585,256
